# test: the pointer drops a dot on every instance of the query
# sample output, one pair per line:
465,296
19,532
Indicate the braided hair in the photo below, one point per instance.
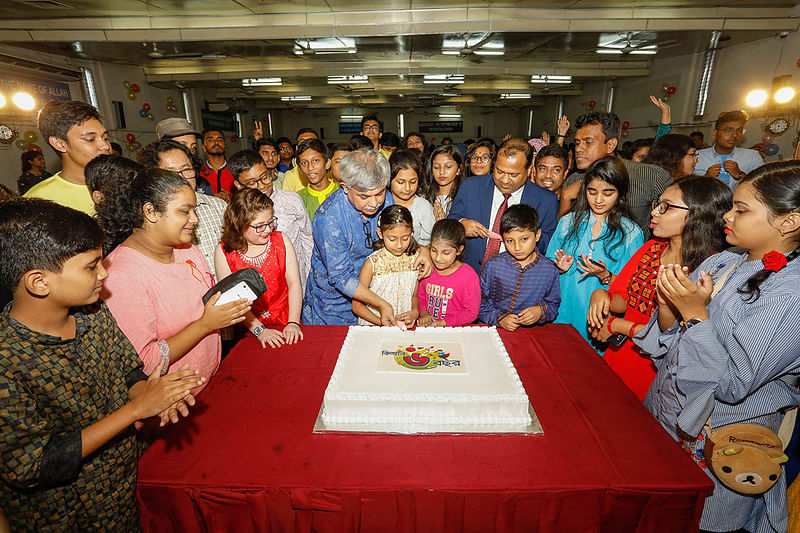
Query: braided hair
777,186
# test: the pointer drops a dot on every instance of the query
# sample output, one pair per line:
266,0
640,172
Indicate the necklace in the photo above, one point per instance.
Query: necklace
259,260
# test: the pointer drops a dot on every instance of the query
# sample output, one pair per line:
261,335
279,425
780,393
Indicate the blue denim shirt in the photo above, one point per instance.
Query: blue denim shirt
340,249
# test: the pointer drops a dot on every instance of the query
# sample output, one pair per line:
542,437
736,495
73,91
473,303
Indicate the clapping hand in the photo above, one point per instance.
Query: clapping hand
675,287
564,261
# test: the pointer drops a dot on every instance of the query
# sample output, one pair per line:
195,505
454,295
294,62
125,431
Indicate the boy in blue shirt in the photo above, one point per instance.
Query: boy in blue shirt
71,384
519,287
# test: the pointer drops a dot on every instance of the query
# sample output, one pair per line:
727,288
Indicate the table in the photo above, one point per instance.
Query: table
247,460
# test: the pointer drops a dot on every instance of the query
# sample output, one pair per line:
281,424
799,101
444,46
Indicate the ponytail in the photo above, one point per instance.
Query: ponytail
753,289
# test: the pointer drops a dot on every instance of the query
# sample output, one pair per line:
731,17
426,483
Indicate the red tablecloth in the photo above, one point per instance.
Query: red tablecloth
247,460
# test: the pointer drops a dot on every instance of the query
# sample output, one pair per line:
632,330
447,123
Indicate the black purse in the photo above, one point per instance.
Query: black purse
249,276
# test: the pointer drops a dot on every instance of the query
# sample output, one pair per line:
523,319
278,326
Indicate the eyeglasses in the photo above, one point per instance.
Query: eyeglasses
663,207
367,227
731,131
371,127
262,228
265,179
481,158
186,173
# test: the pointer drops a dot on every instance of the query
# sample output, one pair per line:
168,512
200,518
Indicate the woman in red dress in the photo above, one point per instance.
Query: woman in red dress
687,227
249,240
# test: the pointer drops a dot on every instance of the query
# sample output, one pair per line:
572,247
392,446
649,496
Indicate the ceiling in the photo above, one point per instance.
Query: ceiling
218,43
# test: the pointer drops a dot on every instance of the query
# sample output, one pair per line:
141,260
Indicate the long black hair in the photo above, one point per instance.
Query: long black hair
708,199
611,170
431,186
122,209
777,186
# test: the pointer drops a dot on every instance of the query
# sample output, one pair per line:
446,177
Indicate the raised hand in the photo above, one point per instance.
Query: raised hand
666,111
258,130
564,261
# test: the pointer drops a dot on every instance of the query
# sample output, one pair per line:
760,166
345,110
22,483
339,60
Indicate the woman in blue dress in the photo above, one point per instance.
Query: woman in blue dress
734,358
594,240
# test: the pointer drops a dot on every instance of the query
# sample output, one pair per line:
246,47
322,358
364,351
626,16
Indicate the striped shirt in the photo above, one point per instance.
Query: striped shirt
738,365
647,182
208,231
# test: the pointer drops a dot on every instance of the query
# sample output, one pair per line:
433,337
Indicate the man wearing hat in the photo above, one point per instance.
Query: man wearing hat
180,130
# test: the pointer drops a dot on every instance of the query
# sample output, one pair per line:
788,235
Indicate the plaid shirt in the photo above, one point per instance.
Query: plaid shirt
208,232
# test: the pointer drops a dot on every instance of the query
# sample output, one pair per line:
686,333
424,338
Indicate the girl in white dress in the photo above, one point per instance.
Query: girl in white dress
389,272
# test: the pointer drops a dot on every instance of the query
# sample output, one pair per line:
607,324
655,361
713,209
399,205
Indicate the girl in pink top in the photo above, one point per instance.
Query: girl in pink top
451,296
249,240
156,278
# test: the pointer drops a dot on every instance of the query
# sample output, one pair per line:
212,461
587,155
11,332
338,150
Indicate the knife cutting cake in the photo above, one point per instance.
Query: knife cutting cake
427,380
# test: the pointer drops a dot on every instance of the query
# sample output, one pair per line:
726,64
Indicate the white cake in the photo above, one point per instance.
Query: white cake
427,380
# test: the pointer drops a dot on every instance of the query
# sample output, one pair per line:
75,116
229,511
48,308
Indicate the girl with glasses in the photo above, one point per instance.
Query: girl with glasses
480,159
249,240
687,227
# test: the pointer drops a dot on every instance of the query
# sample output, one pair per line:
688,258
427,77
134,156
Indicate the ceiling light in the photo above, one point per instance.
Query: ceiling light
608,51
514,96
351,117
644,52
347,80
490,52
444,79
2,100
24,101
295,98
261,82
756,98
450,52
541,78
447,95
325,45
446,115
784,95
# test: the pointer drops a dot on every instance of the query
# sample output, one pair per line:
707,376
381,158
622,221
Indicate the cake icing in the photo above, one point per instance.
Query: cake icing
425,379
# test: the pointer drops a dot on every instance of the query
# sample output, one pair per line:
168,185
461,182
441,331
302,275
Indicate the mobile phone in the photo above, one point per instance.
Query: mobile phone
238,291
588,259
617,340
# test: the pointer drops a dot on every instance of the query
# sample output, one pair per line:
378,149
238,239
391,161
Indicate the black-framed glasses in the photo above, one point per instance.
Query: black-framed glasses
262,228
186,173
371,127
367,227
265,179
664,206
481,158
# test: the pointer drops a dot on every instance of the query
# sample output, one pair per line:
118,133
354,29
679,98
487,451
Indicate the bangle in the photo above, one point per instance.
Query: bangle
163,349
608,325
293,322
630,332
559,135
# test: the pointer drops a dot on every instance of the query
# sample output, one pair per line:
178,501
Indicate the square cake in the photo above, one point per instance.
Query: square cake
425,381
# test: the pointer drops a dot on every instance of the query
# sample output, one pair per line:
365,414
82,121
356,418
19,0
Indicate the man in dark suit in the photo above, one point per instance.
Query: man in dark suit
482,200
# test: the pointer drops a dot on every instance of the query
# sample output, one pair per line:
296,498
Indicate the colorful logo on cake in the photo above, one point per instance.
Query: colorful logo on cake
422,357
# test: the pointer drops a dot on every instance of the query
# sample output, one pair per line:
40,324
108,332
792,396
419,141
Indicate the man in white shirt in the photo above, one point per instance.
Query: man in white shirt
725,160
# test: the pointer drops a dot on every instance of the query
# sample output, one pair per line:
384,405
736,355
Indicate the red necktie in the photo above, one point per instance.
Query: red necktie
493,244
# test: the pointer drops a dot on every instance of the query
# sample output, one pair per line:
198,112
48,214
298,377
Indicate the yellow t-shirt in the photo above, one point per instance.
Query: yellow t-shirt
294,180
63,192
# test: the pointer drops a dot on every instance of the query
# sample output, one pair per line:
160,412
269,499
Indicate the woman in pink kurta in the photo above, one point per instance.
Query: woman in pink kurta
156,278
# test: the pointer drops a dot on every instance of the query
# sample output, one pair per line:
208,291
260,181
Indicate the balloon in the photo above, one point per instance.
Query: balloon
592,103
131,95
135,88
143,113
771,149
126,84
665,87
170,100
35,147
625,133
131,147
671,90
30,136
767,138
150,117
130,137
21,144
665,98
146,106
626,125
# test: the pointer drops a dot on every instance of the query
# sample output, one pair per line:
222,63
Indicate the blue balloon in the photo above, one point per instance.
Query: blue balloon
143,113
771,149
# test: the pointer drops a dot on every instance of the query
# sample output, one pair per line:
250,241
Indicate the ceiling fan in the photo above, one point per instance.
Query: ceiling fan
633,43
159,54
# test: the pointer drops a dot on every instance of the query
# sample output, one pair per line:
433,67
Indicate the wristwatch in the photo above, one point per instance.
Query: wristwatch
606,280
689,323
258,330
